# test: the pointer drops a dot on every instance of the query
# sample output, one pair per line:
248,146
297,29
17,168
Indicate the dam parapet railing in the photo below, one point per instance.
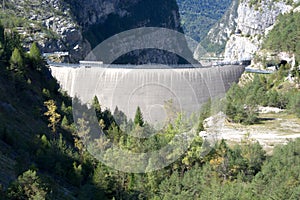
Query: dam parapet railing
99,64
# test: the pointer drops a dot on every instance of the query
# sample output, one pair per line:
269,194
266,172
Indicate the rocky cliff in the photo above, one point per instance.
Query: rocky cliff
252,24
77,26
49,22
219,34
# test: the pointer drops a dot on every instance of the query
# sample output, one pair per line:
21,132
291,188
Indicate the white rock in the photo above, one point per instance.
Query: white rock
267,109
239,48
253,22
214,121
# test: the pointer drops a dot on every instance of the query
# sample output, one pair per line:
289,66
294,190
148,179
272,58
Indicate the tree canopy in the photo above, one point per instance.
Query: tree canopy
285,35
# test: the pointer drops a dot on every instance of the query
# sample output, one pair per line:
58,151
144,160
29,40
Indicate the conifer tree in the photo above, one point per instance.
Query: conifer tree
65,122
16,60
97,107
35,56
27,186
35,52
2,41
138,119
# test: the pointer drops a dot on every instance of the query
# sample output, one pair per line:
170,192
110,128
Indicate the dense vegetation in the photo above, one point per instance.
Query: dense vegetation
265,90
288,27
258,3
198,17
42,156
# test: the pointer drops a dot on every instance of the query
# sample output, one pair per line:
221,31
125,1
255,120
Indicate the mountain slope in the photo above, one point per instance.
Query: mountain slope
36,162
253,23
121,16
197,17
218,35
78,26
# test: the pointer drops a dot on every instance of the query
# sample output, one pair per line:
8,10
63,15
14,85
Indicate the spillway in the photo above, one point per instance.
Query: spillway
127,88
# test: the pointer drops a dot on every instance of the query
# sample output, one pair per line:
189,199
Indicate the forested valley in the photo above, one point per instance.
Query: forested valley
42,155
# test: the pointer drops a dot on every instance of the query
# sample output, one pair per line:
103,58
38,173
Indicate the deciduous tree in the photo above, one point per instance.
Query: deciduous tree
53,116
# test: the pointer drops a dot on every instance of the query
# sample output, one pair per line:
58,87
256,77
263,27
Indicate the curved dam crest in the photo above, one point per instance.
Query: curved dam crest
149,88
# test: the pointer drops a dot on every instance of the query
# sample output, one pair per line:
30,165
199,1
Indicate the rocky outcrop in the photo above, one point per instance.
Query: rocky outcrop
240,48
78,26
253,23
88,13
256,19
217,37
50,24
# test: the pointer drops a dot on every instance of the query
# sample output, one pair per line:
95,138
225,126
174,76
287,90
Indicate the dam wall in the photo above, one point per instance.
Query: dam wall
127,88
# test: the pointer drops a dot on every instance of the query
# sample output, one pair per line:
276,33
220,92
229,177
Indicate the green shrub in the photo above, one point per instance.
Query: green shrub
294,104
27,186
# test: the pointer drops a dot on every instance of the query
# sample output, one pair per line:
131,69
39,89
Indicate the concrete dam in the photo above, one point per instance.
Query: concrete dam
147,86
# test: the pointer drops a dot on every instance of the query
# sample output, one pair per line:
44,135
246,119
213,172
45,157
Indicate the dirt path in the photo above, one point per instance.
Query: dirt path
273,129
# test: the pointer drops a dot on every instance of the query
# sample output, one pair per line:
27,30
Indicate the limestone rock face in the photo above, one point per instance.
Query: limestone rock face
256,19
252,24
219,34
51,24
240,48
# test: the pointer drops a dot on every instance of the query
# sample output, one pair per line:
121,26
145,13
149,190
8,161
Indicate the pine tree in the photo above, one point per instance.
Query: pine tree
16,60
119,116
2,41
97,107
35,52
12,41
35,55
138,119
65,122
83,131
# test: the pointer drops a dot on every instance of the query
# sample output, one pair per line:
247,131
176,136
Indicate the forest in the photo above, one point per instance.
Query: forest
43,154
288,28
198,17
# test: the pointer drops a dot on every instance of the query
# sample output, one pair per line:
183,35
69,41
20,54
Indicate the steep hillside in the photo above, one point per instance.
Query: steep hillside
219,34
78,26
101,19
38,157
42,155
197,17
241,31
120,16
254,20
